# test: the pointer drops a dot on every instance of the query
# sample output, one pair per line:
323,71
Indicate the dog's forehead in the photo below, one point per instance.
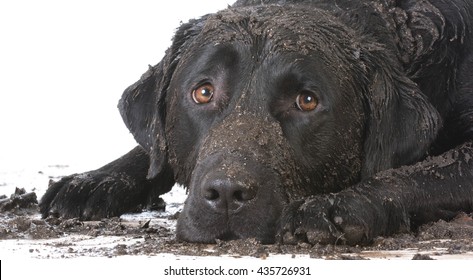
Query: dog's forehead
293,29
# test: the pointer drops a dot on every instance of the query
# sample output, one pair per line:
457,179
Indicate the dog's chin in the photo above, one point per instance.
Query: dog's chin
201,230
186,234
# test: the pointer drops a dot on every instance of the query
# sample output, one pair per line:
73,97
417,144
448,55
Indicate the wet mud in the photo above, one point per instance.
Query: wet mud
154,235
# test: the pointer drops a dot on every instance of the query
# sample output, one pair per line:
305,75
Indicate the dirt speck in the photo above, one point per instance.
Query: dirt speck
422,257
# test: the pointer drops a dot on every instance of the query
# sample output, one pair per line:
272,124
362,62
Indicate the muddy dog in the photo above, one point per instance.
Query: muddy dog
315,121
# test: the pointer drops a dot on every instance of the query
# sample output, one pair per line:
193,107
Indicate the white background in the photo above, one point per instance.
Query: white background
64,66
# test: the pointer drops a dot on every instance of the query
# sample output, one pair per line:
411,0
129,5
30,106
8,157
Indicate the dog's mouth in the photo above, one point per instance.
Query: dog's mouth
229,234
211,231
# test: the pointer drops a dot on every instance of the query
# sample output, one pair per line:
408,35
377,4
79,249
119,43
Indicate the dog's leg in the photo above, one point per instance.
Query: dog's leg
390,202
116,188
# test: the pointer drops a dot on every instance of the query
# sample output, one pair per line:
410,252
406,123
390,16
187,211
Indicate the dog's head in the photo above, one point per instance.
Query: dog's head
255,107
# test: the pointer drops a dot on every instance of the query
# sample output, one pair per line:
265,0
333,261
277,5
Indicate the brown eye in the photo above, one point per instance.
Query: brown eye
203,94
306,102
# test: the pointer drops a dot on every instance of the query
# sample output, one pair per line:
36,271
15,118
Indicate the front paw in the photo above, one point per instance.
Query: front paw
343,218
91,196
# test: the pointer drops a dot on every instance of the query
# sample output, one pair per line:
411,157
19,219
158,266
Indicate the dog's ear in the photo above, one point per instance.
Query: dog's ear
401,124
142,105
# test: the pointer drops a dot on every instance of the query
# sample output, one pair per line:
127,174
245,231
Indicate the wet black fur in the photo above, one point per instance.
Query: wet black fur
387,149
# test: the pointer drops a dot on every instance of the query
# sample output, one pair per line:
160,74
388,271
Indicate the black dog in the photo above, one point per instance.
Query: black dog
317,121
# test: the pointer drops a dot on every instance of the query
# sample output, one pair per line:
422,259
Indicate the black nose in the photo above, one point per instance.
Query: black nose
223,194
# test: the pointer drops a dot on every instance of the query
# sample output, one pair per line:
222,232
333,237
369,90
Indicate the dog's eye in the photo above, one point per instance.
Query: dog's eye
306,102
203,94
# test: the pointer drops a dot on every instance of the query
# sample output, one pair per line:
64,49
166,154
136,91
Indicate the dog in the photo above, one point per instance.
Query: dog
298,121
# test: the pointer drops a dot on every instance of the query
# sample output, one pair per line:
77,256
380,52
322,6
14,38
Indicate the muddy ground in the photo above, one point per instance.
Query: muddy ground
152,233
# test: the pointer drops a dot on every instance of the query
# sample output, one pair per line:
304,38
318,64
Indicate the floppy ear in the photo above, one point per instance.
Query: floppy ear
402,123
143,106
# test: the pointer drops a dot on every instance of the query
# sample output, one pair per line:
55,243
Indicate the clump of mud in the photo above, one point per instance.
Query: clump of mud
20,220
18,200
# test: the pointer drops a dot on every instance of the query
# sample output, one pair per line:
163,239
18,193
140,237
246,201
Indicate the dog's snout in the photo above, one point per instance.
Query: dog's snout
226,195
235,188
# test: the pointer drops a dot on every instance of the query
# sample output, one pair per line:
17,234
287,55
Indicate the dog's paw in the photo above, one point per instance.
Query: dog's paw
344,218
91,196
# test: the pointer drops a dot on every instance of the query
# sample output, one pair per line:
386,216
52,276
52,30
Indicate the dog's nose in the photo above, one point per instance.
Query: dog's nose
223,194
